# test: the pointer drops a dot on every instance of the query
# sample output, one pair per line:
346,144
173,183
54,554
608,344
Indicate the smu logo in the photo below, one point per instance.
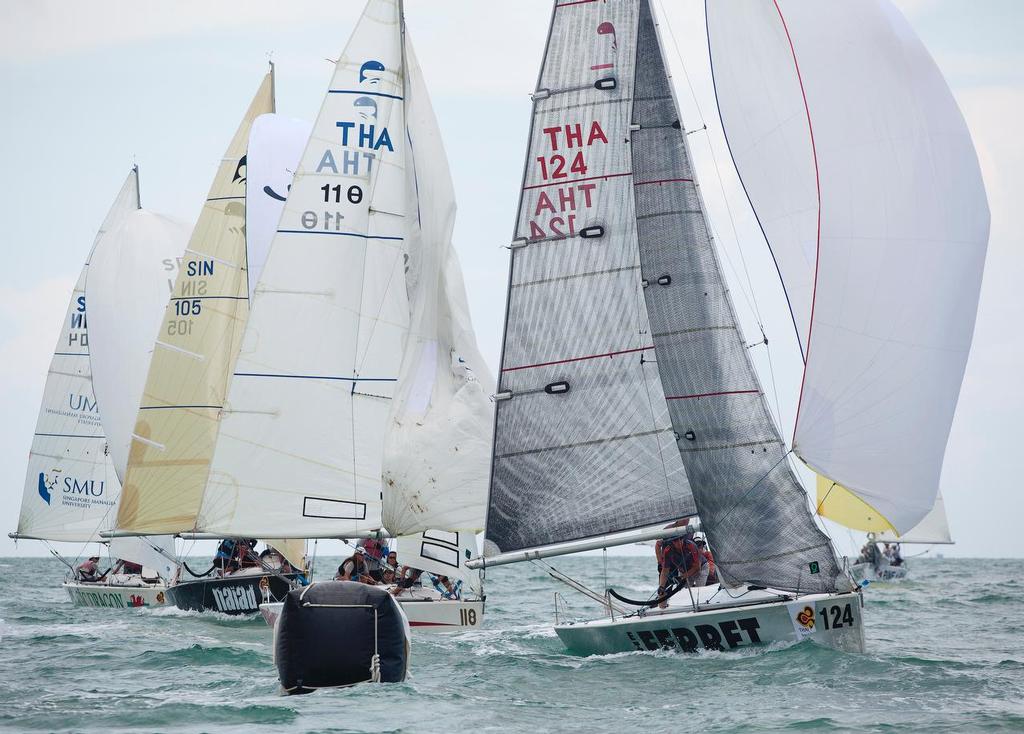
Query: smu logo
72,487
45,485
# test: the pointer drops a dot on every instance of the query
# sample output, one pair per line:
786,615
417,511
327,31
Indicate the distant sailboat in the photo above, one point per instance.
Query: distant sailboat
72,487
627,397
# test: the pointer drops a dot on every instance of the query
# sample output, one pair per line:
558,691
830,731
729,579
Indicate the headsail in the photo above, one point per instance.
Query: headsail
132,269
583,442
692,372
864,178
71,488
299,449
196,347
276,143
842,506
438,440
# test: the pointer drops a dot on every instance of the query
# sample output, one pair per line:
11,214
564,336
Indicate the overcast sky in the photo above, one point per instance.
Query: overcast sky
90,88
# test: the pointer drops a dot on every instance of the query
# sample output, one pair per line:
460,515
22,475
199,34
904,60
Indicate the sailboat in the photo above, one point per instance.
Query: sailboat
872,564
72,486
359,404
627,398
173,427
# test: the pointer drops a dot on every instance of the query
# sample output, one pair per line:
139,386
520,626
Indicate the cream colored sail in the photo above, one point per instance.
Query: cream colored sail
71,488
194,355
299,449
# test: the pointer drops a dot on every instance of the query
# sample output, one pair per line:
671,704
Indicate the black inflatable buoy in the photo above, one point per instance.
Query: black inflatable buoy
339,633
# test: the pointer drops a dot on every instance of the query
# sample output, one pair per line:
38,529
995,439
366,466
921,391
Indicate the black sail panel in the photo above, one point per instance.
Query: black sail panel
584,444
751,504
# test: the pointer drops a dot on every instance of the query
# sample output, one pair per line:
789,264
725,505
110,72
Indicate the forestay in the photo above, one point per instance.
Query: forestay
583,442
71,488
438,439
195,350
131,273
863,175
299,450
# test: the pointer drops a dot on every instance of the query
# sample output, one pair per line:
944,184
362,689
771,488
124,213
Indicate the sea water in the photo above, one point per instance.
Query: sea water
945,652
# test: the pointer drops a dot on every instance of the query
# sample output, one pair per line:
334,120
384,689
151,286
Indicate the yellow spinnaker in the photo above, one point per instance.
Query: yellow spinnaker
840,505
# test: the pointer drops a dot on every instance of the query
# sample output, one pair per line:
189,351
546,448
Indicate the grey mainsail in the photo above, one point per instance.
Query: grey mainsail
583,441
626,395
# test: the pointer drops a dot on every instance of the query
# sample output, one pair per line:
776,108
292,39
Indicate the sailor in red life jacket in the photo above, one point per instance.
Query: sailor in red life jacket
679,560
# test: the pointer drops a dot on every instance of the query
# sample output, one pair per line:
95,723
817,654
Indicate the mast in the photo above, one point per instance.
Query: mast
138,196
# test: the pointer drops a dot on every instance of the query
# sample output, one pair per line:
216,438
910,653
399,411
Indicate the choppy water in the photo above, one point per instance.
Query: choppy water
946,653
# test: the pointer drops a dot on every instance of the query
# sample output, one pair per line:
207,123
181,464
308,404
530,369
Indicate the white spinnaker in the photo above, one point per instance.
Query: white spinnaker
299,448
155,552
903,229
438,446
442,553
127,291
276,143
934,528
69,447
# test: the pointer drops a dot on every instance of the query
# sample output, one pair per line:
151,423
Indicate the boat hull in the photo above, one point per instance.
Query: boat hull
867,572
236,594
834,620
436,616
115,596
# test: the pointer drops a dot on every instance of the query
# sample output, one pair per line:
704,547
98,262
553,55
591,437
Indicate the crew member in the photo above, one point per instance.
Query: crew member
355,569
89,569
224,560
680,561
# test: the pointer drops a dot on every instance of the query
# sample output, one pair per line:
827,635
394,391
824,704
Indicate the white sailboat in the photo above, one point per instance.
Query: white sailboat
627,397
174,426
72,487
359,403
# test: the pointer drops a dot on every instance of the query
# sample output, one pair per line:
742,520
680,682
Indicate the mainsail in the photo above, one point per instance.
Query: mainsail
865,181
299,448
130,273
71,488
583,443
195,351
627,396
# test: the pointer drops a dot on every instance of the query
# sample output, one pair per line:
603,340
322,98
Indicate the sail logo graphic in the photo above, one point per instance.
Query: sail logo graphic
371,72
239,175
45,486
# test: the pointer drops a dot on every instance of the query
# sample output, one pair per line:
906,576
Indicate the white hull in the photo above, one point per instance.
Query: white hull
422,614
116,595
867,572
759,617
